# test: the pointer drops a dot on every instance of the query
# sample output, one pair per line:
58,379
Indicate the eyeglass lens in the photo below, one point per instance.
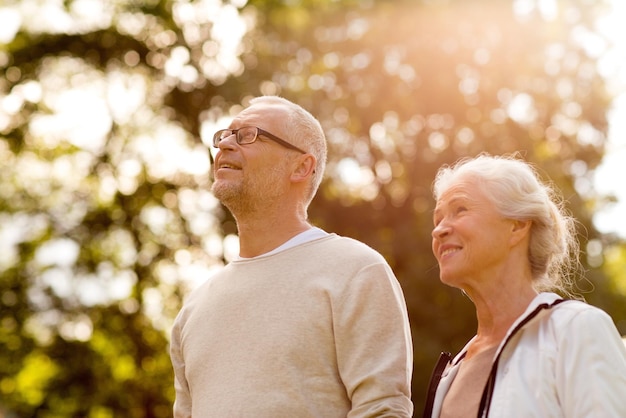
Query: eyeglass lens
245,135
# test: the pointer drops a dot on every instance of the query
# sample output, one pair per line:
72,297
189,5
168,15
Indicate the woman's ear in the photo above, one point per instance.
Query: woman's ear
304,169
520,230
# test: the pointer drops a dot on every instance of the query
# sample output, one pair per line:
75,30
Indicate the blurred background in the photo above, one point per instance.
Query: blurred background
107,108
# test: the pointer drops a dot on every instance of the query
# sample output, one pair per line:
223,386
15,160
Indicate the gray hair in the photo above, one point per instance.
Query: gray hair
517,192
304,131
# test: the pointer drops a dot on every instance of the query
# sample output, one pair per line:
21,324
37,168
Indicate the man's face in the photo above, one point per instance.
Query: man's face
249,175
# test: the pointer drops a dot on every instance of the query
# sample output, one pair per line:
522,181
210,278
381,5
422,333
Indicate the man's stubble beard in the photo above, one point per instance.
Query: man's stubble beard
250,194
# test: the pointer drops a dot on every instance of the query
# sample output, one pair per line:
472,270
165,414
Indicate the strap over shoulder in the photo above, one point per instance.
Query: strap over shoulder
485,401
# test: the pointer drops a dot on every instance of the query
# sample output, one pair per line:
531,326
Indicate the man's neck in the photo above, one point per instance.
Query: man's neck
256,238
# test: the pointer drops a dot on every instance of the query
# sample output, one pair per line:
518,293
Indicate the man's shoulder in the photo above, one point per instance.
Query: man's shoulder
335,242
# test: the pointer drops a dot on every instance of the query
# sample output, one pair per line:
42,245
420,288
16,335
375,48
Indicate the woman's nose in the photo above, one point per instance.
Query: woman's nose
440,230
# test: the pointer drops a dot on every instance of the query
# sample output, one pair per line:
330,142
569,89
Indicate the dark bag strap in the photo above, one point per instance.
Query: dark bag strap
444,360
485,401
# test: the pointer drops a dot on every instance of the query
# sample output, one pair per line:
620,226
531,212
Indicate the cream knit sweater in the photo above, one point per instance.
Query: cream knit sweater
318,330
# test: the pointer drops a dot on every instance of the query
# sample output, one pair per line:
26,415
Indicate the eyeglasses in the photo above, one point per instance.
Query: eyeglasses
249,134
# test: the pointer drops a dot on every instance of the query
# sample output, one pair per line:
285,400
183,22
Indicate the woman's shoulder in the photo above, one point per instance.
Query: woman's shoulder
579,313
564,307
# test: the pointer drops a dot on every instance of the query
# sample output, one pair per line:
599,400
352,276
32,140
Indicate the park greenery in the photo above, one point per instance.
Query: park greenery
106,113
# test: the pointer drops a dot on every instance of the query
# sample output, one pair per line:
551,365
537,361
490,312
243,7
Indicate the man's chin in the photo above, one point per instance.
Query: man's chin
226,193
221,191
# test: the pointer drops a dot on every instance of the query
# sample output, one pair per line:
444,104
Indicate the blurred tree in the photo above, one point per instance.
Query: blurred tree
106,108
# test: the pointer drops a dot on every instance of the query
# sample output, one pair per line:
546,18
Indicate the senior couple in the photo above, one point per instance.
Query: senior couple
307,323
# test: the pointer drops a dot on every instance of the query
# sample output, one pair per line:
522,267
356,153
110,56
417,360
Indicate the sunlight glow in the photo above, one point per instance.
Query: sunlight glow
231,247
609,177
221,46
10,22
126,93
61,252
75,94
547,8
165,152
79,328
15,229
521,109
53,16
356,179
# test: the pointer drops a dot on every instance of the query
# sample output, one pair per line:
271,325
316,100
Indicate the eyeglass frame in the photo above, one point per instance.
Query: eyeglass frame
217,138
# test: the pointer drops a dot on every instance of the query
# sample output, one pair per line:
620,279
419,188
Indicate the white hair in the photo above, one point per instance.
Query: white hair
515,189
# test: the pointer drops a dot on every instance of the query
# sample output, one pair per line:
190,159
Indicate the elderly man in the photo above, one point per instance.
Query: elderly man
304,323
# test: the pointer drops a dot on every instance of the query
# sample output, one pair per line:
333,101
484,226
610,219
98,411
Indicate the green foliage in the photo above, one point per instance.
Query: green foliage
106,221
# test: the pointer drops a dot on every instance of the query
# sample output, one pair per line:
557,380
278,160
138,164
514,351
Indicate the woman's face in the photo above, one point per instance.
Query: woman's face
471,240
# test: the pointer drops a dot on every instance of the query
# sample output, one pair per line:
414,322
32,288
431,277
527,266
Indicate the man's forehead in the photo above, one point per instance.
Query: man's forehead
260,112
265,108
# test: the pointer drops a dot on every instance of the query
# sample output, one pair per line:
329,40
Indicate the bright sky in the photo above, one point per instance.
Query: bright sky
611,176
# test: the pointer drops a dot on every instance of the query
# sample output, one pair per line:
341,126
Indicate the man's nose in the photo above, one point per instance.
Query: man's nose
228,142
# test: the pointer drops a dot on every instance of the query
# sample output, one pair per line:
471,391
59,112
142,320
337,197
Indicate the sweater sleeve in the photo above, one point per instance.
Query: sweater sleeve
182,404
373,343
591,371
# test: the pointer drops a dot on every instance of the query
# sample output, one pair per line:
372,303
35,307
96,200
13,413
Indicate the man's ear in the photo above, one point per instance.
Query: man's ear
520,230
305,167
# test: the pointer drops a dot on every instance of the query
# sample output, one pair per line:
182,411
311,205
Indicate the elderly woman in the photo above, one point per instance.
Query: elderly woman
502,237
